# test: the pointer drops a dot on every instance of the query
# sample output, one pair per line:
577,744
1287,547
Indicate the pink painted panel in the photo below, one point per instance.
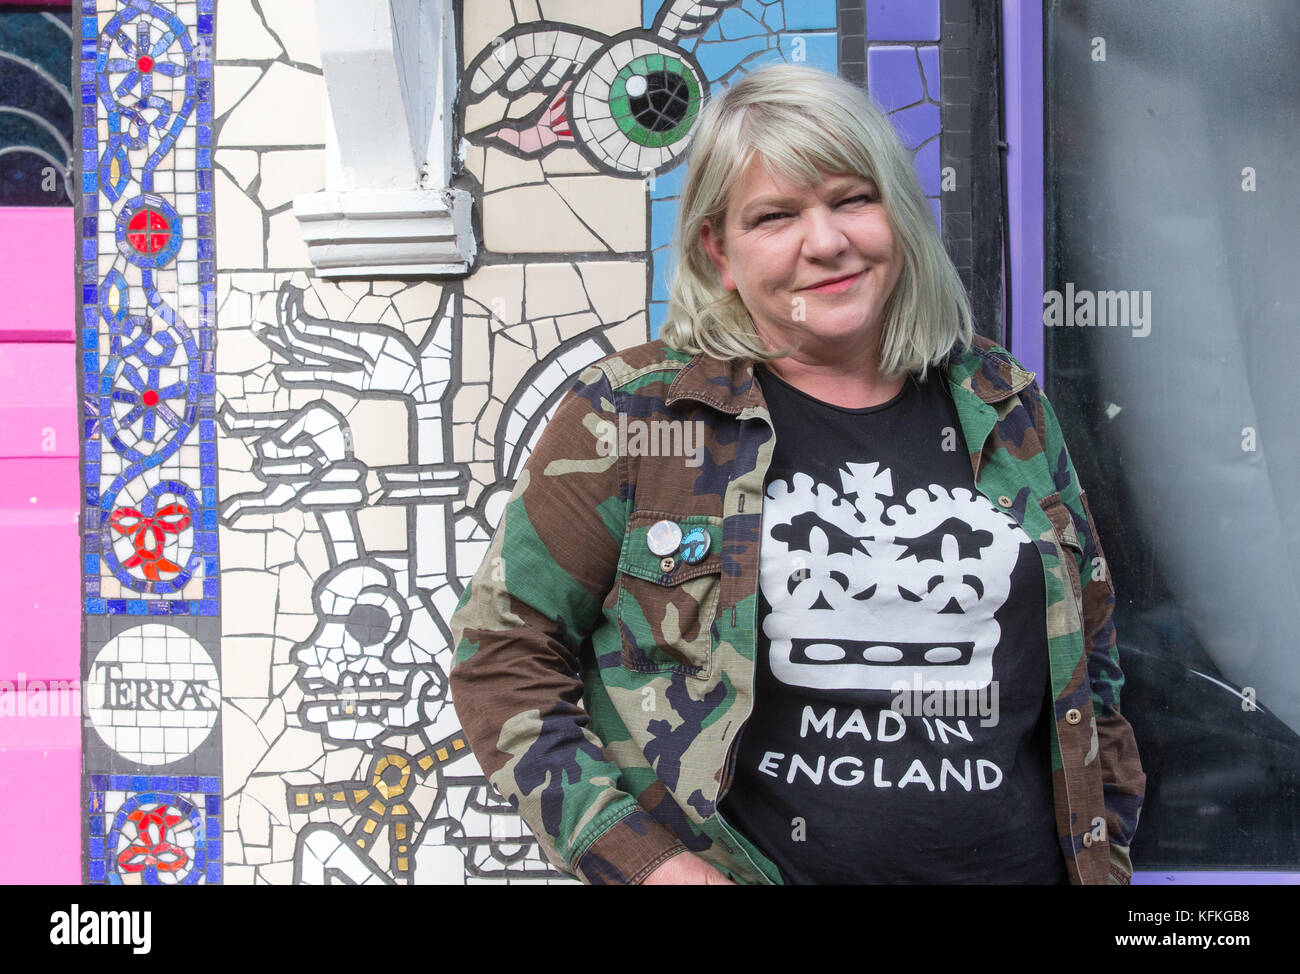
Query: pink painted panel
53,481
38,399
40,803
39,714
40,629
36,274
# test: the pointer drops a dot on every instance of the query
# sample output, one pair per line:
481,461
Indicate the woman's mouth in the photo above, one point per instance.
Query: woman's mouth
832,285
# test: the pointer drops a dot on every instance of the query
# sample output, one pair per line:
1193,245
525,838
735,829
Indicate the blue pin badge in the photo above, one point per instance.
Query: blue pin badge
695,545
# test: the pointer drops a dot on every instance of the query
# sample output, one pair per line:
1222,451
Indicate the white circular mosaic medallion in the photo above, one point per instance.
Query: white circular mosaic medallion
153,694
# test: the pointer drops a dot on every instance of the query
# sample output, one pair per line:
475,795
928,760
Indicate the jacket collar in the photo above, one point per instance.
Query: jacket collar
725,384
728,384
987,370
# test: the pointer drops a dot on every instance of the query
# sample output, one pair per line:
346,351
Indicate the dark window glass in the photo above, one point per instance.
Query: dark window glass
35,105
1171,166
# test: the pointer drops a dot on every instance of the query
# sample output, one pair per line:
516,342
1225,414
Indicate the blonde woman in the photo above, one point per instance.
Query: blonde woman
807,590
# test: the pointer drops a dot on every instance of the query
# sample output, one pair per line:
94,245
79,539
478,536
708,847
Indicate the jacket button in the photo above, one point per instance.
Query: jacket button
1087,840
1004,500
1073,716
667,564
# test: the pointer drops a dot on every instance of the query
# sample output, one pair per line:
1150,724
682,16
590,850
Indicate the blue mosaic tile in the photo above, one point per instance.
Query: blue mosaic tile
735,23
894,76
930,65
902,20
817,50
810,14
916,124
719,57
927,167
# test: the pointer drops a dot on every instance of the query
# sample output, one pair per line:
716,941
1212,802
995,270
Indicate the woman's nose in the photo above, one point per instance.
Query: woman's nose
823,236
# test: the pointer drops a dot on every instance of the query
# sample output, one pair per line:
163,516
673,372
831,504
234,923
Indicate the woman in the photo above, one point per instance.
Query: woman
856,626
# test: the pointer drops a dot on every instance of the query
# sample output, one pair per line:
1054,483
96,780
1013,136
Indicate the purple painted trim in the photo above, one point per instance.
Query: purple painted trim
1216,877
1022,35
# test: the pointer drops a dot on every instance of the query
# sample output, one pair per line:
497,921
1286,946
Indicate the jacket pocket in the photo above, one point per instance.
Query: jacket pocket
665,619
1101,569
1069,554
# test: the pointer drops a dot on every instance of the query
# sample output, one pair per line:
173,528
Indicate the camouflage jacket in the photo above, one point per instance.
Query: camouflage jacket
604,697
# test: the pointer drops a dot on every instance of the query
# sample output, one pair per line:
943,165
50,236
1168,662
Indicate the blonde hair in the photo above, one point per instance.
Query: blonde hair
804,124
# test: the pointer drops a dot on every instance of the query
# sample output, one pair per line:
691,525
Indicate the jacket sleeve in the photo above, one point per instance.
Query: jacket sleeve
1123,781
518,631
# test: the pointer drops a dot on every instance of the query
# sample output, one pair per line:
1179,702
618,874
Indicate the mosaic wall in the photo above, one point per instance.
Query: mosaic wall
289,479
151,572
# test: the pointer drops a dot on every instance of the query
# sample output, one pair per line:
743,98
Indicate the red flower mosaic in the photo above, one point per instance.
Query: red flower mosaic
151,848
149,535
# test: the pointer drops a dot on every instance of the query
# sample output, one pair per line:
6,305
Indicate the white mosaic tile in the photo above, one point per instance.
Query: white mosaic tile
243,37
488,19
286,175
230,83
294,23
240,164
284,243
614,209
240,237
260,119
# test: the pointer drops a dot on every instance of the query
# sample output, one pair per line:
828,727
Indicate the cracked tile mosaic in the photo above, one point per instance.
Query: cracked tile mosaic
331,481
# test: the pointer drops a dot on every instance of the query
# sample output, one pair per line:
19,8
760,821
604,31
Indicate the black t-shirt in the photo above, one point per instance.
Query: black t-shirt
900,727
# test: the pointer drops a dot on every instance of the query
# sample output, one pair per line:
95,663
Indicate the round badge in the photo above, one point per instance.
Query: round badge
695,545
663,538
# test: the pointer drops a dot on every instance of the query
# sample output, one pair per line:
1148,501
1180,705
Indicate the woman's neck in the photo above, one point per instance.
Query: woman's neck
850,381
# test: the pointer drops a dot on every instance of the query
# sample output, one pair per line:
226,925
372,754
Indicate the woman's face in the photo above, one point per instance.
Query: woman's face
811,263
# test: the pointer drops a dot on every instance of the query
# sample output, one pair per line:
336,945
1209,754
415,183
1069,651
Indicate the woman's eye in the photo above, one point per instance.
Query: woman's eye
860,198
774,215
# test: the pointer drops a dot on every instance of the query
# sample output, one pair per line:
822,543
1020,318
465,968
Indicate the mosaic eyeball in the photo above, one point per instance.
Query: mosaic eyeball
634,107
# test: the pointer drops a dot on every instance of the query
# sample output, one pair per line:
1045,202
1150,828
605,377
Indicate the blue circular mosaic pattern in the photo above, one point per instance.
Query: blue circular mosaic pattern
148,231
190,821
138,46
136,411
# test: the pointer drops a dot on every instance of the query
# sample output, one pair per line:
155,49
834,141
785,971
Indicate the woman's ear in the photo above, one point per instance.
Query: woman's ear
716,249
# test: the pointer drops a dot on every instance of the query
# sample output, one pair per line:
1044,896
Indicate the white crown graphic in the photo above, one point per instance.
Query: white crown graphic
863,597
